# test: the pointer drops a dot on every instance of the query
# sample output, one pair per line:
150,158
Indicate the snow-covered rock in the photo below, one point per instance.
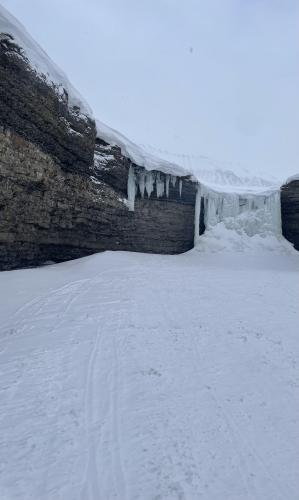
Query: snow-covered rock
290,210
39,61
137,154
294,177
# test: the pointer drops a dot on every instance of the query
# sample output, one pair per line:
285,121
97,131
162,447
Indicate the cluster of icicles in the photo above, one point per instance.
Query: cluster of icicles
254,213
146,180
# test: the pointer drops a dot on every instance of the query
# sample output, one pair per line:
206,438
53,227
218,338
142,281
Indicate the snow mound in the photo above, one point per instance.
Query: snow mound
40,61
221,238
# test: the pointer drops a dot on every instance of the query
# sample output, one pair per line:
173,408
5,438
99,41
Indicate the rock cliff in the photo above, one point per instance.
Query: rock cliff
63,193
290,211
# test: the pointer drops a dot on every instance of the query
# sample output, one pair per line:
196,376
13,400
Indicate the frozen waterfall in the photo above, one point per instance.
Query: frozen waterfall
245,214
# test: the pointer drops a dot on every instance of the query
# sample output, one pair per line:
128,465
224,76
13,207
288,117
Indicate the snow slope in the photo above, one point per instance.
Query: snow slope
40,61
140,377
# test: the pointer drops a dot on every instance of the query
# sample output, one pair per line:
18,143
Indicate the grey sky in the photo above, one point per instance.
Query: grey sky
212,77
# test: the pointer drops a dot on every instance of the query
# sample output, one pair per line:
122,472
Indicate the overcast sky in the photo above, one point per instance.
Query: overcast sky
212,77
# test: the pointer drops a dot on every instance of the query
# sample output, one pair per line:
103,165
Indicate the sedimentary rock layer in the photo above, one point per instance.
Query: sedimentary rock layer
290,212
48,213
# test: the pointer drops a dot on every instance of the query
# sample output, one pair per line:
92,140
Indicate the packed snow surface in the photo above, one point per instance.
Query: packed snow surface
40,61
132,376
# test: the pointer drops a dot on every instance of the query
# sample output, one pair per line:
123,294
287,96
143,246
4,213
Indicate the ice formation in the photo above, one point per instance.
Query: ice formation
242,204
147,181
137,154
237,217
131,189
212,172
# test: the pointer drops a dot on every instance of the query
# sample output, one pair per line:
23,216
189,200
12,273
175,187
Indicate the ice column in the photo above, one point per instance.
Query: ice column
131,189
149,183
142,183
252,213
159,185
167,185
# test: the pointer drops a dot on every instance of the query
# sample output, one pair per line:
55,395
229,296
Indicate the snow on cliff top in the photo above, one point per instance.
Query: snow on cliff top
137,154
40,61
220,176
200,168
294,177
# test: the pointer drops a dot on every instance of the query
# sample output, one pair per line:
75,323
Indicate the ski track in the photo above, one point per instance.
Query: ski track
151,378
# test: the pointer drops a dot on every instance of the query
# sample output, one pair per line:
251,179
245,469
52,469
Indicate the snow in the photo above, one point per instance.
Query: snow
253,213
131,376
199,168
136,153
250,222
219,175
292,178
40,61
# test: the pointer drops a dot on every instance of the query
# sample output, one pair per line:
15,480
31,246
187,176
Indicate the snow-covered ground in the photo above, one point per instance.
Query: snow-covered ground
131,376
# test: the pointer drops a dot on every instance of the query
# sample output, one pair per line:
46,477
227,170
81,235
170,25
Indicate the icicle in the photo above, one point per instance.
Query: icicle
149,183
180,187
197,214
131,189
141,183
205,201
159,185
173,180
167,185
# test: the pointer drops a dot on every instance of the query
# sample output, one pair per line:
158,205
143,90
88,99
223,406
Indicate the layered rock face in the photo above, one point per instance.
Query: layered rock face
56,202
163,217
47,213
290,212
40,113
